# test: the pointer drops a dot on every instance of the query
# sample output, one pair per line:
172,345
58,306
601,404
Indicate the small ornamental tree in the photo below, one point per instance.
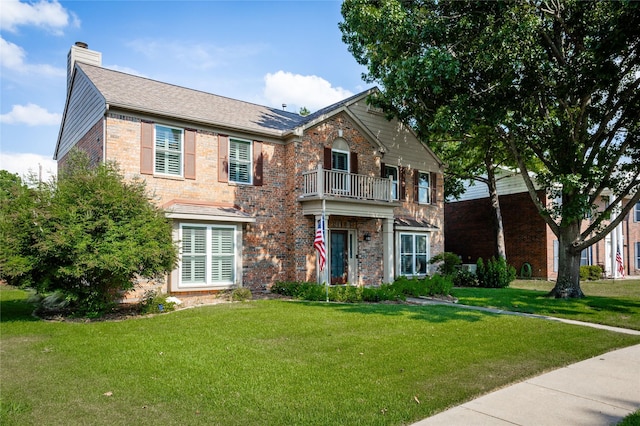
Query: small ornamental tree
94,235
17,220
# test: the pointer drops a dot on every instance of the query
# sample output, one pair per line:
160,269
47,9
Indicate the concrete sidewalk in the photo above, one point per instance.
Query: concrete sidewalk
598,391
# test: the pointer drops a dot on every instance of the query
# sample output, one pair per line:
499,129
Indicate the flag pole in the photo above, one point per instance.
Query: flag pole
324,235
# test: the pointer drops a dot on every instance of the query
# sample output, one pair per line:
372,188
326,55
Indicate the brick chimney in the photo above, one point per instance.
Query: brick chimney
80,53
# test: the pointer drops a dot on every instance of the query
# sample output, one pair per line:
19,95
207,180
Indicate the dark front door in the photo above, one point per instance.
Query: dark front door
339,257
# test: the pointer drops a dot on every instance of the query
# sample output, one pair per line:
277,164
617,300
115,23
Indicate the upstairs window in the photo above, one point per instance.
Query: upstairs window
168,150
240,168
392,172
636,212
424,188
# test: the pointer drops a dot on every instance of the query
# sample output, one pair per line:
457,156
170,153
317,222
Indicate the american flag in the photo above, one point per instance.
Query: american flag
619,262
319,245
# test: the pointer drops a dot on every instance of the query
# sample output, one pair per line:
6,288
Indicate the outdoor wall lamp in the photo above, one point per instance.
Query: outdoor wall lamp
367,236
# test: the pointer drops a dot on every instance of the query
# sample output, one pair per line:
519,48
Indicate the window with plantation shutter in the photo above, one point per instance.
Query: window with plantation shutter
194,254
222,255
240,170
168,150
208,255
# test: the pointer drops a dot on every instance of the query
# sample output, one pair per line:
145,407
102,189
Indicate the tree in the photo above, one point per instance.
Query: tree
91,234
17,214
304,111
557,82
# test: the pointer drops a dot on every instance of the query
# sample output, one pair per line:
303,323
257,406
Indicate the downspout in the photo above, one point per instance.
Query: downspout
104,134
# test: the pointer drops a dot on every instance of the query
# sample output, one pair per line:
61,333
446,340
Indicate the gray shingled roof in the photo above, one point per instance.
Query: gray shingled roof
142,94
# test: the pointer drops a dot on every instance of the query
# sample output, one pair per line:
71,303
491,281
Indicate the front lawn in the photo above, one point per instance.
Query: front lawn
615,303
273,362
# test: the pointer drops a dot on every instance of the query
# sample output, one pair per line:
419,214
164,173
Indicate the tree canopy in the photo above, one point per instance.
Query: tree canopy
555,81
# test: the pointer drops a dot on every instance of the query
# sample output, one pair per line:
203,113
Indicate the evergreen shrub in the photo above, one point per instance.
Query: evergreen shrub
495,273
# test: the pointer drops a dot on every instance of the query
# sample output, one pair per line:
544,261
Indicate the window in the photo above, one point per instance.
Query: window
637,255
340,160
168,150
240,161
391,171
208,255
556,254
424,192
585,257
636,212
414,254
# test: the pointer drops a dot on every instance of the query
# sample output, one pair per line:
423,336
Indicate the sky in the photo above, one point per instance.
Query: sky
267,52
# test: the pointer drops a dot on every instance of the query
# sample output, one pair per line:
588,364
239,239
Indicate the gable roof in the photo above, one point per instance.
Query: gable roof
136,93
120,91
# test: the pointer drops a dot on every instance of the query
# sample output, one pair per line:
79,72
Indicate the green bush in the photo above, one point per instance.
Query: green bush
495,274
400,289
465,278
241,294
96,233
155,302
449,263
427,286
590,272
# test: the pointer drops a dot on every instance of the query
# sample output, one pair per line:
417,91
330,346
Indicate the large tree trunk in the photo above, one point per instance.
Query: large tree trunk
497,214
568,282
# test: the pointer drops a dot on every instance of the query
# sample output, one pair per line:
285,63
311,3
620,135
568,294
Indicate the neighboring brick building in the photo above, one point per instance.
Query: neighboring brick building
469,232
245,184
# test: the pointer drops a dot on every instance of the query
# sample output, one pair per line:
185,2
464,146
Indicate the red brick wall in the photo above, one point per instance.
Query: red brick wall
279,245
470,232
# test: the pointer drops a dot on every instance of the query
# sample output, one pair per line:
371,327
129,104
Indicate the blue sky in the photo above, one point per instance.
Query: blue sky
267,52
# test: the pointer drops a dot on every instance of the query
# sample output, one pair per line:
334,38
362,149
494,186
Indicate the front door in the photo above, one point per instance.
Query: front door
339,257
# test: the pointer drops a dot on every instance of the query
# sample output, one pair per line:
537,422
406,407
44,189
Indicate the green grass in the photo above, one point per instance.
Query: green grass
614,303
272,363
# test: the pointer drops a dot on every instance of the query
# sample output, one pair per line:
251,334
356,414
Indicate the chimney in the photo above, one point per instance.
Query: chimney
80,53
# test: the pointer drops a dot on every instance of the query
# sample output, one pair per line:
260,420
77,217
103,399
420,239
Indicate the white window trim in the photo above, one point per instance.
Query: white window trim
637,244
237,260
399,235
348,154
428,188
251,165
636,212
155,135
396,182
589,257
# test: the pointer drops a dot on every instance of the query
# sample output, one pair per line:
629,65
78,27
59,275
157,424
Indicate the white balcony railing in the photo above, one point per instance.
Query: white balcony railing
320,183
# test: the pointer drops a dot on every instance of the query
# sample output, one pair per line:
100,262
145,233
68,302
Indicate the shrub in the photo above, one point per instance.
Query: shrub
590,272
95,234
427,286
465,278
495,274
347,294
448,263
155,302
241,294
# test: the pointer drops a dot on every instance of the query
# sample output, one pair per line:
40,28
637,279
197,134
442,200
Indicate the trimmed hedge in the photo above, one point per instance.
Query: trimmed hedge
400,289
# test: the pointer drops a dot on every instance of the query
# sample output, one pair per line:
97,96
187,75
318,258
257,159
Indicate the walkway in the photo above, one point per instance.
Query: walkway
597,391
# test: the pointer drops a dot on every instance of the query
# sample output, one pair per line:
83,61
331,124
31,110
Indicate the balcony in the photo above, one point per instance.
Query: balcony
322,184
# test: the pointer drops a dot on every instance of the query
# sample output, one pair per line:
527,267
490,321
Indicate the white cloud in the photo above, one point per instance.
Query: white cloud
12,57
25,164
49,15
31,115
308,91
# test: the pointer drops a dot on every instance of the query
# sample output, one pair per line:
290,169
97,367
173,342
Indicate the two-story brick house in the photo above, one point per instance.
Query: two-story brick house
245,184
